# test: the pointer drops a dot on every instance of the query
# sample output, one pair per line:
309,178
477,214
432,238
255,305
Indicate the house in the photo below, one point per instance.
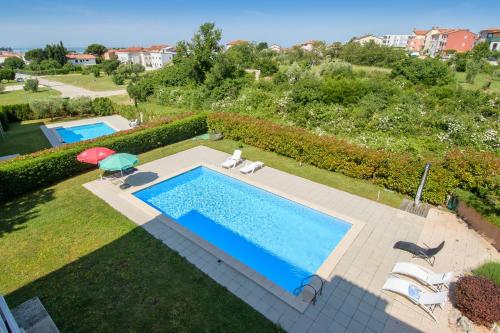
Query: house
78,59
416,41
439,40
492,37
6,54
309,45
110,54
236,42
367,39
153,57
276,48
399,41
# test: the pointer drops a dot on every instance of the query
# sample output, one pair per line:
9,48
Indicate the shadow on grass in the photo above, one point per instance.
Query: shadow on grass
137,284
15,213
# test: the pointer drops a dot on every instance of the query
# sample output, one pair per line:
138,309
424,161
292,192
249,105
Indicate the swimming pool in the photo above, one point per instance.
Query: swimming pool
84,132
279,238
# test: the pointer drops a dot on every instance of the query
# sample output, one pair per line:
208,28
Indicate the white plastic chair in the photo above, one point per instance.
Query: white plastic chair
428,301
232,161
250,168
434,281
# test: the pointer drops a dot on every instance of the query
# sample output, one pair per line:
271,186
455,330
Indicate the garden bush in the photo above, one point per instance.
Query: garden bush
79,106
46,167
102,106
31,85
474,171
479,299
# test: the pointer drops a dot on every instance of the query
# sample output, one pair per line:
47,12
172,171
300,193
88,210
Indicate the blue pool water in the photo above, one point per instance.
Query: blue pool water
84,132
279,238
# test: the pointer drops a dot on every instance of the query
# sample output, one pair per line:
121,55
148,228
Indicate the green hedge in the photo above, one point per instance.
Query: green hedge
475,172
46,167
100,106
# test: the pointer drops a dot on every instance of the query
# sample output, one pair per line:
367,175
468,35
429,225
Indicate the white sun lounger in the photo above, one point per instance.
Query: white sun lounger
232,161
434,281
426,300
250,168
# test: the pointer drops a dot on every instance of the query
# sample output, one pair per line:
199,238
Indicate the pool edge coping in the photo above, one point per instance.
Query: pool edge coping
325,271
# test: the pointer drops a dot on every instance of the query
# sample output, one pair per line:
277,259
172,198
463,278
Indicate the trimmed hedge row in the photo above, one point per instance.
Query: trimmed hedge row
49,166
472,171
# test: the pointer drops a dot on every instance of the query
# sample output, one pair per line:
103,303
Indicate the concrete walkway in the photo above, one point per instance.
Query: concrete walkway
352,300
68,90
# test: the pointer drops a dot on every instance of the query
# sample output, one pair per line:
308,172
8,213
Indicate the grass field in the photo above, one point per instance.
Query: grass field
371,68
21,96
23,138
89,82
480,80
95,271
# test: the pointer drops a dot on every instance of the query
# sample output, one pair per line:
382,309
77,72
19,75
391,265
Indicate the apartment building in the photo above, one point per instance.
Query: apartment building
153,57
399,41
367,39
439,40
77,59
416,41
492,37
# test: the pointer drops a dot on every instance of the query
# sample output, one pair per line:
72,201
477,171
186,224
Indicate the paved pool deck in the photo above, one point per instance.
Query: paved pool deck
352,299
116,122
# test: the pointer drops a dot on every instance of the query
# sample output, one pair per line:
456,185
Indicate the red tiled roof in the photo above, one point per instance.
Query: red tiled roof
420,32
237,42
80,56
491,30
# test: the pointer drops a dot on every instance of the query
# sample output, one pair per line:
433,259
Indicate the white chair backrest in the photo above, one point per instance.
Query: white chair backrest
6,315
237,154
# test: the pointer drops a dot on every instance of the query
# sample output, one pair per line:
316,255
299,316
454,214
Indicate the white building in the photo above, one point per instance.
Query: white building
153,57
235,42
77,59
395,40
365,39
308,46
276,48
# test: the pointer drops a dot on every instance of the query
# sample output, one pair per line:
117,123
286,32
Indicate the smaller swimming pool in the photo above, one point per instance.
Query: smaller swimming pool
84,132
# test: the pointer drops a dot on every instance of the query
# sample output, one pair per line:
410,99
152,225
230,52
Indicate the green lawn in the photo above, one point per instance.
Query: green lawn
479,82
23,138
21,96
95,271
89,82
489,270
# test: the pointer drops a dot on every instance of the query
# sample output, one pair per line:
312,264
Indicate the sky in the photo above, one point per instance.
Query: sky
30,23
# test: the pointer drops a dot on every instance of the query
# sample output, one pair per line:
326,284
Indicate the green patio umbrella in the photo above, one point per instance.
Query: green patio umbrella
118,162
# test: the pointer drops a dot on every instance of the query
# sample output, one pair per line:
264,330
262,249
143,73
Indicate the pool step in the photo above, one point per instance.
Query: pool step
409,206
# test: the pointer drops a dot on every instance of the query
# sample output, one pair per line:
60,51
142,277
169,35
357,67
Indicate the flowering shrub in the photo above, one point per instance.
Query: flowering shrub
479,299
473,171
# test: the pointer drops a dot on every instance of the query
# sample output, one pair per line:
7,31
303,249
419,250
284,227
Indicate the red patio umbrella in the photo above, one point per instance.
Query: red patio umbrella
94,155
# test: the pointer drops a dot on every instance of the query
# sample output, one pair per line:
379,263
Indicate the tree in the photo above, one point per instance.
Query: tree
31,85
56,52
118,79
35,55
96,71
261,46
481,51
135,92
471,70
202,49
109,66
96,49
430,72
7,74
13,63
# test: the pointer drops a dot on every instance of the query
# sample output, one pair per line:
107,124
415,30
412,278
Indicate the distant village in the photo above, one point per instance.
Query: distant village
434,42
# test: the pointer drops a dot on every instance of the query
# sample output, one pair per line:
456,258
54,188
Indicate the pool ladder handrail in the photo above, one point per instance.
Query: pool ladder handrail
317,292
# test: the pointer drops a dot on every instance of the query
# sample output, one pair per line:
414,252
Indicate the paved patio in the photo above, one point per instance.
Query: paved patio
352,300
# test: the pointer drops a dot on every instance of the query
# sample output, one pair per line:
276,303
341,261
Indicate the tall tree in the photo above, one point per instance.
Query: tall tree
57,52
202,49
96,49
35,55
